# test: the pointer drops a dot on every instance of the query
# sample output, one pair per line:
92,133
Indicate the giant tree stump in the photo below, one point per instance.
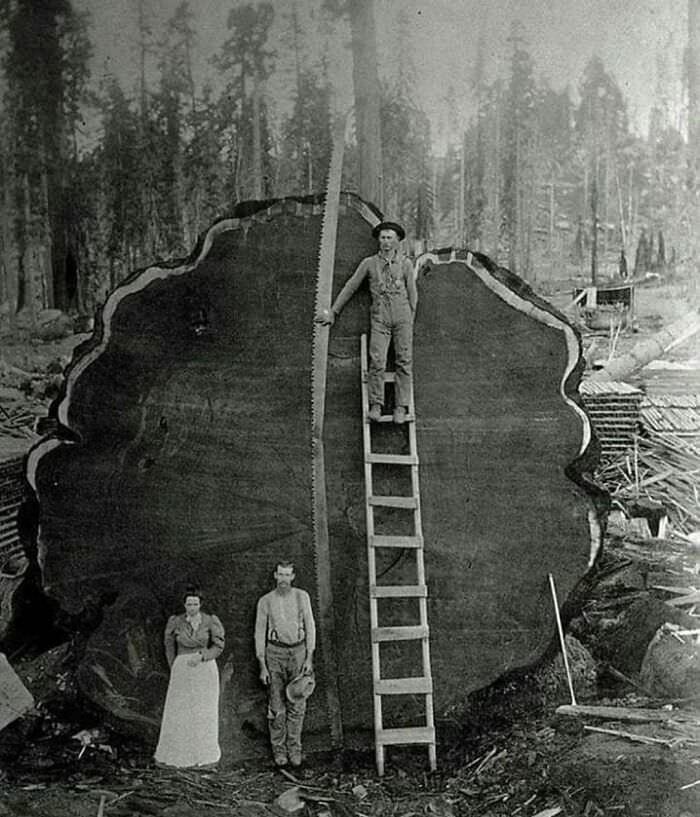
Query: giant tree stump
184,455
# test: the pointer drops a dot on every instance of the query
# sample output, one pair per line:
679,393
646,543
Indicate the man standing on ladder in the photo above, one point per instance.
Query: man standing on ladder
394,298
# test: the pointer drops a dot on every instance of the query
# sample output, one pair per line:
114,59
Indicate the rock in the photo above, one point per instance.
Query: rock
625,644
671,666
289,801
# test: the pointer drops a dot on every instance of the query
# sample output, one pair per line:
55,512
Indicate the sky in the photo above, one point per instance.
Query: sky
630,36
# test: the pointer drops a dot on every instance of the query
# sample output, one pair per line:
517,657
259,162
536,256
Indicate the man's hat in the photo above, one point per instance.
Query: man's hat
389,225
301,687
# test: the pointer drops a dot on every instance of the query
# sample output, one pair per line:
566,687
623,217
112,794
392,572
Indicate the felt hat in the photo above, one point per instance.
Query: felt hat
301,687
389,225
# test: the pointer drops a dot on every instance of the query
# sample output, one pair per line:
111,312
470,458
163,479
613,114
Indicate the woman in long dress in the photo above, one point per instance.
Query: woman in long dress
189,730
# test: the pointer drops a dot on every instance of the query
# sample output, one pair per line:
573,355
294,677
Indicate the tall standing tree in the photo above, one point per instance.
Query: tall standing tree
694,89
367,108
245,60
518,156
174,109
602,127
46,68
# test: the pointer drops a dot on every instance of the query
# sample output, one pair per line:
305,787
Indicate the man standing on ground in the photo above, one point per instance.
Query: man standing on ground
285,640
394,299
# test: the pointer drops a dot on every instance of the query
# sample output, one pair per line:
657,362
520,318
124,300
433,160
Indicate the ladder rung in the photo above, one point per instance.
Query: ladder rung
389,377
398,591
411,734
389,418
403,686
400,633
415,542
392,459
394,501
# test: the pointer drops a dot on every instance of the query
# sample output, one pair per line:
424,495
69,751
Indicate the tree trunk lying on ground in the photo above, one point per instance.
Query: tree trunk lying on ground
650,349
185,458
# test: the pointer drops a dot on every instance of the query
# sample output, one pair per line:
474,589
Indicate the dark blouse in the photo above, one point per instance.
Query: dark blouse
207,639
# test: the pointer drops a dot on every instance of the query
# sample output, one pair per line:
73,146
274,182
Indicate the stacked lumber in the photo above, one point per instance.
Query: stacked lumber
677,414
17,421
11,496
614,410
664,468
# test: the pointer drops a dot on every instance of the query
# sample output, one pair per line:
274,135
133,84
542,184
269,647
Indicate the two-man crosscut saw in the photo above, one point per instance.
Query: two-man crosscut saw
319,370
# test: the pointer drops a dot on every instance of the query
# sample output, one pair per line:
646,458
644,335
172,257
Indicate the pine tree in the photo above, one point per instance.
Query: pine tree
46,69
517,162
245,60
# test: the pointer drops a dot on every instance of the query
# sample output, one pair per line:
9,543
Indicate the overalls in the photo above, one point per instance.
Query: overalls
390,317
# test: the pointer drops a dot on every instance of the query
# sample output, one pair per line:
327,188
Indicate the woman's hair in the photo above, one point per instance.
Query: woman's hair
191,590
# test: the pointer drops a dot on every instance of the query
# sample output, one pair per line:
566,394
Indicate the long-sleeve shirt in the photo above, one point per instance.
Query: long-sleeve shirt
181,637
392,276
284,619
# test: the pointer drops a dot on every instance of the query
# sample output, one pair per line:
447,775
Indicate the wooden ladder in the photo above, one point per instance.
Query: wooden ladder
421,684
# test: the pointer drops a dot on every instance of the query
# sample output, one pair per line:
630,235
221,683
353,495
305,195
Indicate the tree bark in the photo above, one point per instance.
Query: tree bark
8,262
175,475
694,88
257,147
366,82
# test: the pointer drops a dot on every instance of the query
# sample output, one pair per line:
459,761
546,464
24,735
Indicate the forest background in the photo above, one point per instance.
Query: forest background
99,177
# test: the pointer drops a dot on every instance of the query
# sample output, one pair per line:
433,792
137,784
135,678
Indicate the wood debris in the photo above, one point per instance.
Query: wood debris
630,736
664,468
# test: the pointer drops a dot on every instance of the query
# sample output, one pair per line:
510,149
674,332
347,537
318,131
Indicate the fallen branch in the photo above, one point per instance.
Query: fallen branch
629,736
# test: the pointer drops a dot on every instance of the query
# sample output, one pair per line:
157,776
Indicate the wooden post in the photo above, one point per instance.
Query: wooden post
594,224
562,641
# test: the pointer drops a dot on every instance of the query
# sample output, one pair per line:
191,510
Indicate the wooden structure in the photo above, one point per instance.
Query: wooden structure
417,667
606,306
183,454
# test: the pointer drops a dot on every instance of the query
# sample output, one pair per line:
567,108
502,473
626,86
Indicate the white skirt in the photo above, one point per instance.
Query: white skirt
189,730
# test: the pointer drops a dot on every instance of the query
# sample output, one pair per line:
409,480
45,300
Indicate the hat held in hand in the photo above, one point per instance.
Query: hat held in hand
299,688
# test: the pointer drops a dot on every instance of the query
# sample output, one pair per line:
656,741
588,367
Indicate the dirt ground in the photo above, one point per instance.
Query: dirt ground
509,754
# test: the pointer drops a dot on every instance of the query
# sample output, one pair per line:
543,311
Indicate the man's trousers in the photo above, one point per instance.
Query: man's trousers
391,318
285,717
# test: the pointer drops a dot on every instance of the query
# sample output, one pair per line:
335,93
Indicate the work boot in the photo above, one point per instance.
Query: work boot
400,415
280,759
295,760
375,412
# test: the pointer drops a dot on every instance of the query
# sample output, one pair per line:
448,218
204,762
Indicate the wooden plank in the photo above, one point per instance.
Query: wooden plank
411,734
394,501
396,541
391,459
400,633
15,698
389,418
622,713
398,591
403,686
691,598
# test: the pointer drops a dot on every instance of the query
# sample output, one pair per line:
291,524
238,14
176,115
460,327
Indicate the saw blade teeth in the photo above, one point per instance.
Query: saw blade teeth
319,363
